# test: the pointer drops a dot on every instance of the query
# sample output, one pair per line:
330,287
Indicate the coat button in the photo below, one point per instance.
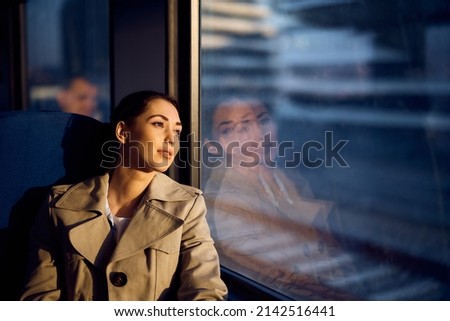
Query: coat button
118,278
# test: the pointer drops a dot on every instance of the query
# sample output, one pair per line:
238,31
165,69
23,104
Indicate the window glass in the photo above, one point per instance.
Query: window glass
68,56
326,129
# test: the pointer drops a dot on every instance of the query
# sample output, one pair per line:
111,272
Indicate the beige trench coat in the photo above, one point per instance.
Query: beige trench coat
165,253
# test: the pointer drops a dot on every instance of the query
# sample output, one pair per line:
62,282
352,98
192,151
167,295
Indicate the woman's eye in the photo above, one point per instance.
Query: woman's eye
265,121
177,132
227,131
158,124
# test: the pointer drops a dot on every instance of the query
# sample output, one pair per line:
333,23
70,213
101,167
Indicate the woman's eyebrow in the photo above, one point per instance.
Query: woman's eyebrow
163,117
247,115
228,122
262,114
225,122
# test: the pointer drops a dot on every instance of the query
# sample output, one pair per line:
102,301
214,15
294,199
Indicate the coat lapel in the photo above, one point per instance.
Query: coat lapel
89,228
149,225
90,232
154,218
93,240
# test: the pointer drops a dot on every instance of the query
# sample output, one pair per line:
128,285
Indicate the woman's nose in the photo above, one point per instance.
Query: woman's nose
254,133
170,136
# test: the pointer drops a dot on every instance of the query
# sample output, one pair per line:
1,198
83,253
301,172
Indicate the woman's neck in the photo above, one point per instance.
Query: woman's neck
126,188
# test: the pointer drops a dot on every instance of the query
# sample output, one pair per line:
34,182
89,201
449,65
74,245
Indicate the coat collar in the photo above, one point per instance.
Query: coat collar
91,235
161,188
89,195
150,224
154,218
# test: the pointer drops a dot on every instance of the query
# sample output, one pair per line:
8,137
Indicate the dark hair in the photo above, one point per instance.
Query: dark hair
135,104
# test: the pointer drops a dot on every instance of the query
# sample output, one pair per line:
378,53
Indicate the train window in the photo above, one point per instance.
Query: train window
67,55
326,135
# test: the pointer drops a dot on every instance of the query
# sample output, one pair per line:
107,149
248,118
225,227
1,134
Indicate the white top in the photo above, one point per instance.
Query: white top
118,224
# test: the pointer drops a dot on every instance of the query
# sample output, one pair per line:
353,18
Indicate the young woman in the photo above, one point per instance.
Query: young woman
133,233
265,220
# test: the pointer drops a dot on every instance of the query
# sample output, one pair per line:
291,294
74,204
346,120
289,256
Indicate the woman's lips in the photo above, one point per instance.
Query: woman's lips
166,153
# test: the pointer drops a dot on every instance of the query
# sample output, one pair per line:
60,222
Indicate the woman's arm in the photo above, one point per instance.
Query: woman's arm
200,268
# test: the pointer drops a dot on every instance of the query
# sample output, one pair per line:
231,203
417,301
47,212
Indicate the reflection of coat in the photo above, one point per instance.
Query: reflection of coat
252,218
165,253
273,232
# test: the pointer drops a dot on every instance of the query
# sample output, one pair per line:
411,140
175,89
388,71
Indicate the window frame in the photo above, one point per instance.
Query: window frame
184,83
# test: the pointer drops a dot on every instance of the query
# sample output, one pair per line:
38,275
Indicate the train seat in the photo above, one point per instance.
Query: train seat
38,150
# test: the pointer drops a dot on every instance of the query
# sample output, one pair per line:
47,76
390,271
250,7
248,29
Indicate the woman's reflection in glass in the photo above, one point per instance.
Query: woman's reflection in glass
265,220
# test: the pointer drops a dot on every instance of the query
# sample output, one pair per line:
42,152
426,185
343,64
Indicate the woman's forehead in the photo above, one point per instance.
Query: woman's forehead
234,112
162,107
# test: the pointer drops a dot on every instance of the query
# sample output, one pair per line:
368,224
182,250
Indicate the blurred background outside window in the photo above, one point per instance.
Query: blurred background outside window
361,91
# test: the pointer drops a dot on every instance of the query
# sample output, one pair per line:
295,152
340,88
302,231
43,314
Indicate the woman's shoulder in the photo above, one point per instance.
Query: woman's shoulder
293,178
190,189
167,187
75,192
230,180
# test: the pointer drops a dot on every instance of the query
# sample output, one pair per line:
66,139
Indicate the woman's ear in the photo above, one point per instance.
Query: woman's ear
121,133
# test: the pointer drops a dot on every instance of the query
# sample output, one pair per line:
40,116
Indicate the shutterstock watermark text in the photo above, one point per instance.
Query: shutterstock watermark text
328,152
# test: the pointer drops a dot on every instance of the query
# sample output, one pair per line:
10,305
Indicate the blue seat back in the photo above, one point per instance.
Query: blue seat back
38,150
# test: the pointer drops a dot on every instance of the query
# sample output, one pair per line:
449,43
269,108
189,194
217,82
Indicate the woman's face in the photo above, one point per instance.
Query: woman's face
152,140
240,129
